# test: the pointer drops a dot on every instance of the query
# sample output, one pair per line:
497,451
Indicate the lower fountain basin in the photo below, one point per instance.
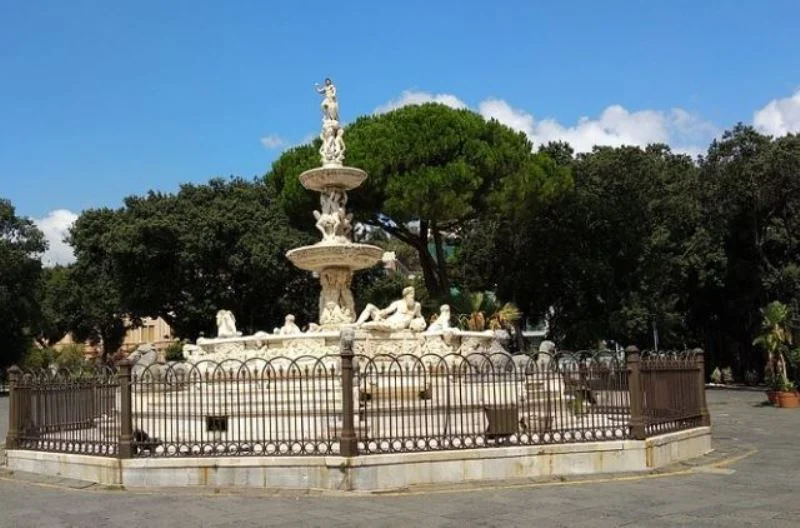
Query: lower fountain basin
321,256
321,178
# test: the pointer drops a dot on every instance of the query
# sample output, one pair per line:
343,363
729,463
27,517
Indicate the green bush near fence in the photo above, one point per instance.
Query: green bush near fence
174,351
69,357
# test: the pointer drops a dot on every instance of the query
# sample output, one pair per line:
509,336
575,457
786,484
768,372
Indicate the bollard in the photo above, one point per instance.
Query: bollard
634,361
125,445
700,365
348,444
14,411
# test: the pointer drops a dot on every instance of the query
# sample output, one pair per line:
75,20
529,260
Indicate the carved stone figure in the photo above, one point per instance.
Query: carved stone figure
546,351
442,321
226,324
334,222
289,327
405,313
328,225
329,106
334,314
339,147
336,302
327,150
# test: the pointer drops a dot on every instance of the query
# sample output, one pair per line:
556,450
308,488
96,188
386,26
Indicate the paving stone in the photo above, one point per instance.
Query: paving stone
760,490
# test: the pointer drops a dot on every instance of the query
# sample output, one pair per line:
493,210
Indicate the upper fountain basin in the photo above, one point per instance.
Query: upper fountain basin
321,178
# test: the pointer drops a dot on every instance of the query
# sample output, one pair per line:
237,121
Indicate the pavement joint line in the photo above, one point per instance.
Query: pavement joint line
218,492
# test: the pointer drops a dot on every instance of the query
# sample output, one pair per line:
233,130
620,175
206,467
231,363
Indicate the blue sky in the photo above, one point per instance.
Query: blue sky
99,99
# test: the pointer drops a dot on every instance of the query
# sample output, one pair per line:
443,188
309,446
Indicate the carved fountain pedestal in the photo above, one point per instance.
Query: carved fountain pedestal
336,256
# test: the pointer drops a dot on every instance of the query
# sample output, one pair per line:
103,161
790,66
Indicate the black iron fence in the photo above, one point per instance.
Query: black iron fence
353,404
64,410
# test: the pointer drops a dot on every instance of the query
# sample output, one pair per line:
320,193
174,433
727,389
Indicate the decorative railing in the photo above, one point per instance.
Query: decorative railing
71,411
351,404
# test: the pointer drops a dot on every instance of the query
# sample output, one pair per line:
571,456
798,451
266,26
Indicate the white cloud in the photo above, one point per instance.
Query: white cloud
55,227
273,141
413,97
780,116
517,119
615,126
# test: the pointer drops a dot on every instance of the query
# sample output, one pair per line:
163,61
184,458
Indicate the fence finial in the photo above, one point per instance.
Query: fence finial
348,335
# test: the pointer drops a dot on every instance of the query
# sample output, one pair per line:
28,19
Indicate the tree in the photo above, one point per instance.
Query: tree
59,305
21,245
431,170
97,311
610,257
184,256
775,339
750,186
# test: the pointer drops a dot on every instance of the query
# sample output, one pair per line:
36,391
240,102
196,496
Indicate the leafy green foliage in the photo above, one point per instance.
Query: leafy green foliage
431,169
187,255
21,244
59,303
776,339
609,256
174,351
99,315
69,357
750,186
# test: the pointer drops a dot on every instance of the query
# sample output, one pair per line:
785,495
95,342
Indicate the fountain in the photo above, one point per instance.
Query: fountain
335,257
400,328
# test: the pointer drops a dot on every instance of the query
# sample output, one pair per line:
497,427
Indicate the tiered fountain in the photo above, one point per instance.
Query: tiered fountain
399,328
335,257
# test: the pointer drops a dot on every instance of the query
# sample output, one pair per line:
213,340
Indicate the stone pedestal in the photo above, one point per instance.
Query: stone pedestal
335,257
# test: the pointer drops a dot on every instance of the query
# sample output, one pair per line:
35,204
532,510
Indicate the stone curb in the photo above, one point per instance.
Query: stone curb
744,388
723,454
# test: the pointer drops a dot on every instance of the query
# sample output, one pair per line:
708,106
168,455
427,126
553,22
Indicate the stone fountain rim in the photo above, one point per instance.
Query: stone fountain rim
339,177
370,254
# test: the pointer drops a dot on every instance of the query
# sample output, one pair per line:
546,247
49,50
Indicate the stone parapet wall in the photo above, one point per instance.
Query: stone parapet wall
372,473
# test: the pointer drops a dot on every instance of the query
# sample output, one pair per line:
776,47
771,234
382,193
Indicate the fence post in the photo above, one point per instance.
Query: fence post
348,444
14,402
125,445
700,364
634,361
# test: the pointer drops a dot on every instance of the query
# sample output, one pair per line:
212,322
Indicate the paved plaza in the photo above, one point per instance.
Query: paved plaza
752,479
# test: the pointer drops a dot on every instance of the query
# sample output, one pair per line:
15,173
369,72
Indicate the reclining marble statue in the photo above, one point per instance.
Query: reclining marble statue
405,313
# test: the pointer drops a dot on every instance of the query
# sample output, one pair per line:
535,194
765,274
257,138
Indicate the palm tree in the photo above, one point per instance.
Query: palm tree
775,339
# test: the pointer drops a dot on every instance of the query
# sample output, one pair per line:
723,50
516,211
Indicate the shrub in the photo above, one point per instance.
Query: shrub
68,357
716,376
174,351
727,376
751,377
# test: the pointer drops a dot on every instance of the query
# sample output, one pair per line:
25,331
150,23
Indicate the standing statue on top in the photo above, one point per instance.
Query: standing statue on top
332,135
330,108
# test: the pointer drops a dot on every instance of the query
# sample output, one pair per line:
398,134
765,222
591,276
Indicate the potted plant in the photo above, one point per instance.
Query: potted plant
787,397
775,339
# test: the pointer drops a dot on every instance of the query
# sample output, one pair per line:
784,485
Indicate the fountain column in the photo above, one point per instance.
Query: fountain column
336,256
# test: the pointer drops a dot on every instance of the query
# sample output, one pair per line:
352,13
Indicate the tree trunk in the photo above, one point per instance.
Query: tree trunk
444,281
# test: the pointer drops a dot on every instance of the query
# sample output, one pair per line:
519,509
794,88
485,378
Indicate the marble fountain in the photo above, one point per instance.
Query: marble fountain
398,329
410,388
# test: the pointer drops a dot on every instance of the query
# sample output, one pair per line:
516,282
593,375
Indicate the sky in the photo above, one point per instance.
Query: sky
100,100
